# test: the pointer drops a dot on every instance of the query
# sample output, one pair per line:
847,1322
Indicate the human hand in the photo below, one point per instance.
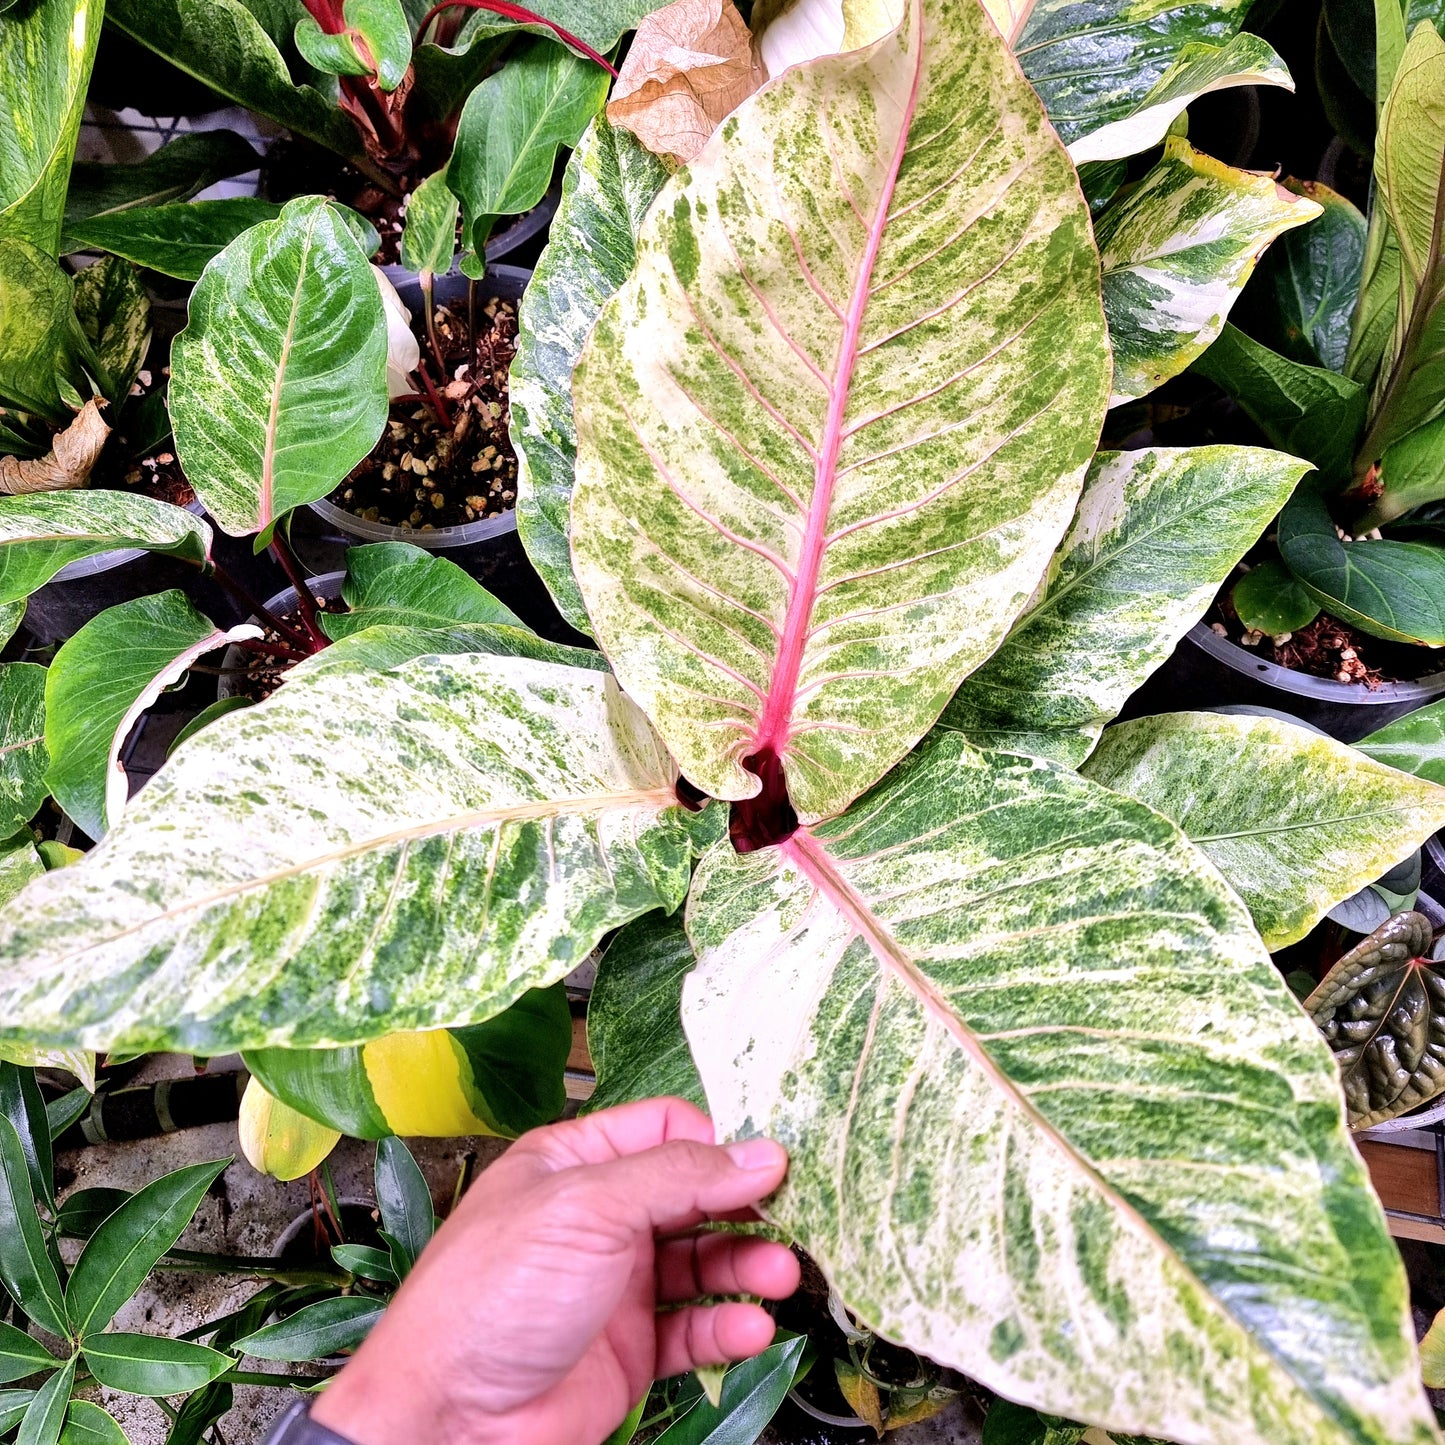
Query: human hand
533,1316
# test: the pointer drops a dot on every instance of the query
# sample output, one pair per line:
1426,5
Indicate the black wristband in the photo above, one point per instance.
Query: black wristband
296,1427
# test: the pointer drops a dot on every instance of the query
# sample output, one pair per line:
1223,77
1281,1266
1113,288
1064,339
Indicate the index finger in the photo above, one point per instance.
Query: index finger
619,1132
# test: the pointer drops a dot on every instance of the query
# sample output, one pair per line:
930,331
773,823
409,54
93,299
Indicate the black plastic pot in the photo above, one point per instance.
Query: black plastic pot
510,239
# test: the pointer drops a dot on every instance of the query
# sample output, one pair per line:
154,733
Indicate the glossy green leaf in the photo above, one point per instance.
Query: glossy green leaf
45,1417
1394,590
1412,471
42,533
321,829
331,54
88,1424
190,163
86,1210
325,1328
1270,599
177,240
46,51
43,352
386,33
1020,1042
115,314
429,241
208,715
611,181
627,1430
1198,69
100,684
13,1405
1177,249
278,384
393,584
22,1104
752,1392
223,44
25,1265
69,1109
1305,410
23,758
511,128
1414,743
388,647
405,1203
152,1364
1295,821
202,1409
1372,335
829,434
123,1251
366,1262
22,1355
634,1016
1157,532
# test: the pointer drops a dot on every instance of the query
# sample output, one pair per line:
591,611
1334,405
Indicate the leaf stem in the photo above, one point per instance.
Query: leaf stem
428,287
200,1263
232,585
523,16
434,397
256,1377
305,602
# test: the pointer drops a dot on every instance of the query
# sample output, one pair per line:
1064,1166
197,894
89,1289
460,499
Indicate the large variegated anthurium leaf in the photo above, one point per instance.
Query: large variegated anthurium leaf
610,182
835,423
504,1076
363,853
1414,743
1382,1010
1156,533
41,533
46,52
1177,250
1199,69
101,682
1053,1116
634,1016
278,384
23,757
1294,820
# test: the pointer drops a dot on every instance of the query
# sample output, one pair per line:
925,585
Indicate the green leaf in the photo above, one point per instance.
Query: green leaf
752,1392
1198,69
366,1262
299,903
816,485
511,128
86,1210
45,1416
42,533
1270,599
610,182
278,384
46,52
1412,471
385,31
1041,1084
624,1433
21,1103
328,1327
25,1265
1177,250
23,759
1295,821
598,23
1414,743
22,1355
99,685
43,352
1305,410
177,240
1157,532
127,1246
207,716
1372,334
152,1365
222,43
65,1111
393,584
634,1017
13,1405
20,862
1394,590
404,1199
429,241
88,1424
176,172
115,314
331,54
202,1409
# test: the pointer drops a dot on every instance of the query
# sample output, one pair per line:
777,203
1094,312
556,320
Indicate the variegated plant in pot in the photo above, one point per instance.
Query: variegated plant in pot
1001,986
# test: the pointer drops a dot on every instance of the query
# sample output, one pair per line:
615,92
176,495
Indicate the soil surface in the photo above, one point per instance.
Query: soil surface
157,475
266,672
448,464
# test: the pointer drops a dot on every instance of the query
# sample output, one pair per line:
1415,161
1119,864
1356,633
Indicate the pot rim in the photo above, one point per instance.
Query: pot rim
84,567
327,586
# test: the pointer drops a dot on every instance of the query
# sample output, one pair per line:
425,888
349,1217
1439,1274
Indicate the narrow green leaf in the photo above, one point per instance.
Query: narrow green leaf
152,1364
43,352
202,1409
45,1416
429,241
1414,743
40,534
328,1327
65,1111
278,384
23,758
88,1424
127,1245
101,682
1156,533
609,184
365,1261
13,1405
1177,249
86,1210
176,172
1372,334
404,1199
22,1104
25,1265
22,1355
177,240
752,1391
1270,599
624,1433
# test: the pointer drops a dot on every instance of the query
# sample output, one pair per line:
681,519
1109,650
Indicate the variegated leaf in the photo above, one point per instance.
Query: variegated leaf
1414,743
1053,1116
1199,69
1294,820
1156,533
610,182
1177,250
837,420
23,757
362,853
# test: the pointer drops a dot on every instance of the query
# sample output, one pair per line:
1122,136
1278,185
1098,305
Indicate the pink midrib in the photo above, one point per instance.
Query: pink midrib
775,727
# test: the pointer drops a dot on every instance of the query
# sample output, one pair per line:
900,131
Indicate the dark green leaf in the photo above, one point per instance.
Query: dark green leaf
115,314
623,1434
751,1395
405,1203
23,758
41,343
125,1248
199,1413
61,1113
86,1210
25,1264
175,172
224,1332
13,1405
1269,598
365,1261
177,240
46,1413
21,1103
207,715
88,1424
152,1365
329,1327
22,1355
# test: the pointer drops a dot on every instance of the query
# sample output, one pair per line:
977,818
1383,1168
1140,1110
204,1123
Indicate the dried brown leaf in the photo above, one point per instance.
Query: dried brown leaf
69,462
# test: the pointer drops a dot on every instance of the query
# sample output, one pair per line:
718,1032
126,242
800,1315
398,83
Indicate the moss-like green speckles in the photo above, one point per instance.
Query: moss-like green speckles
1005,1340
682,241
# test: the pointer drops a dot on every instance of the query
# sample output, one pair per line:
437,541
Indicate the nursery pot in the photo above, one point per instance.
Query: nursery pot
1208,670
524,228
326,588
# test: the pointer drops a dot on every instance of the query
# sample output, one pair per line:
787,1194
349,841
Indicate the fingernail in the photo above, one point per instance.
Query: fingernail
757,1154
